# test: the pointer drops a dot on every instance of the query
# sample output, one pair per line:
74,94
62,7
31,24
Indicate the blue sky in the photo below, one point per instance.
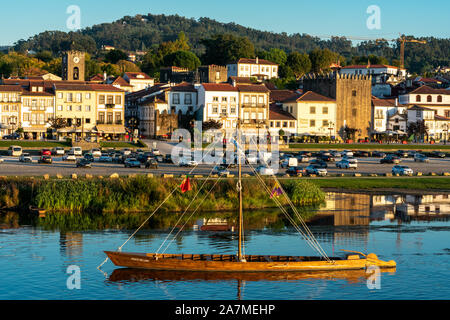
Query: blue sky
20,19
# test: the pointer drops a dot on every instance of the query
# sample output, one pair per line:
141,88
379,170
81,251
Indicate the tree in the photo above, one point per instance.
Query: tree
182,59
321,60
45,56
299,63
350,132
418,129
127,66
275,55
225,48
211,124
115,56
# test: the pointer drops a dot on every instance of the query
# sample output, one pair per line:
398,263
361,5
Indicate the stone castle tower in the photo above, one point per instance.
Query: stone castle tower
73,66
353,94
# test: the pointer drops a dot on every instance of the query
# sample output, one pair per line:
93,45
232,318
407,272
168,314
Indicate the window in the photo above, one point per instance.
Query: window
418,114
224,110
215,109
60,95
291,109
88,95
261,99
215,99
439,99
118,118
285,124
224,99
354,93
312,110
101,99
101,117
187,98
69,108
325,123
325,110
354,112
76,73
78,97
233,99
69,97
110,99
418,99
118,99
109,118
233,110
312,123
60,108
271,124
88,120
88,108
291,124
429,99
26,117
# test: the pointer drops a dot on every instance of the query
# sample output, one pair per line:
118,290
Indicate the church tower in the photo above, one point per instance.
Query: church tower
73,66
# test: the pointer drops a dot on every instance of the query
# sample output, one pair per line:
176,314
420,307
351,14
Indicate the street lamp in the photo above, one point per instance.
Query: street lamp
330,127
446,133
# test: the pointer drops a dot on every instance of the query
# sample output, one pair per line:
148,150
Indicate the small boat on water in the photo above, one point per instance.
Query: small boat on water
37,211
242,263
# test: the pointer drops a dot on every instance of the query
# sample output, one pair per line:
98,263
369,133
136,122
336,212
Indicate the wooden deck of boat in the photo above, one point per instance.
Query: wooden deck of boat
233,258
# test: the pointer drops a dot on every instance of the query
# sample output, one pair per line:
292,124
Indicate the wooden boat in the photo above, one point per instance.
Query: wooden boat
247,263
217,227
37,211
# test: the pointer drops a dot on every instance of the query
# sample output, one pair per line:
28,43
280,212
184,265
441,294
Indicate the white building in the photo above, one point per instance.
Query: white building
436,99
383,111
219,102
380,73
259,68
437,126
139,80
183,98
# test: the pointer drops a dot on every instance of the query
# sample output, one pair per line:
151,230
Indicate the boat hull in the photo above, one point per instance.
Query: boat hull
228,263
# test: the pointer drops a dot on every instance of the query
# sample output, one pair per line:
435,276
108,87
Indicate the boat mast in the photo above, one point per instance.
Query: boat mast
239,186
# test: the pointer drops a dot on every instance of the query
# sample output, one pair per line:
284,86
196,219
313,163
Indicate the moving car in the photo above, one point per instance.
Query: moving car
390,158
15,151
76,151
347,163
83,163
96,152
69,157
14,136
45,159
25,157
151,163
58,151
132,163
264,171
188,163
418,157
295,171
221,171
402,170
314,169
347,153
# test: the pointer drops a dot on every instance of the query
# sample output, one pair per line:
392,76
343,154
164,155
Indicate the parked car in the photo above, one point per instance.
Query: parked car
327,158
378,154
187,163
1,160
390,158
295,171
104,157
361,154
167,158
303,158
159,158
45,159
314,169
132,163
264,171
15,151
319,163
96,152
402,153
14,136
347,164
89,157
418,157
46,152
126,152
347,153
83,163
69,157
76,151
58,151
156,152
437,154
402,170
151,163
221,171
25,157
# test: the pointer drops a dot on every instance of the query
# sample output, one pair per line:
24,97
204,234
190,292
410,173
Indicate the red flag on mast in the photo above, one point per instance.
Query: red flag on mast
186,185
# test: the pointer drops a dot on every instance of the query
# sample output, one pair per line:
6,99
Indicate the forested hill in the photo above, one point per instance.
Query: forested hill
142,32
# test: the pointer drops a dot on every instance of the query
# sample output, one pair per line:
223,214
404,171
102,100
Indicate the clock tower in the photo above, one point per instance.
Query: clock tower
73,65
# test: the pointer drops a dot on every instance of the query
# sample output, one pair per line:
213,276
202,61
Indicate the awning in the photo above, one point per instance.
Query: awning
35,129
106,128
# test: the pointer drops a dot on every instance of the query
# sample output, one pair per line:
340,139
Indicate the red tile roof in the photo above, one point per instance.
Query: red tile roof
138,75
184,87
428,90
281,95
377,102
253,61
219,87
105,87
374,66
252,88
277,113
121,82
10,88
309,96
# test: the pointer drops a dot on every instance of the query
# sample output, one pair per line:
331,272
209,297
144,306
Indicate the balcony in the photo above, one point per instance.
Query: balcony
110,105
254,105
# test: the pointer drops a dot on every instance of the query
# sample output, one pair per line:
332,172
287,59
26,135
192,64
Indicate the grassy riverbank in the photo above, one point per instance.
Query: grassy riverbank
142,194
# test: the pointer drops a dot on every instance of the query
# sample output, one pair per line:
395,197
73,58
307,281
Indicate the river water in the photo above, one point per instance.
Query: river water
412,230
